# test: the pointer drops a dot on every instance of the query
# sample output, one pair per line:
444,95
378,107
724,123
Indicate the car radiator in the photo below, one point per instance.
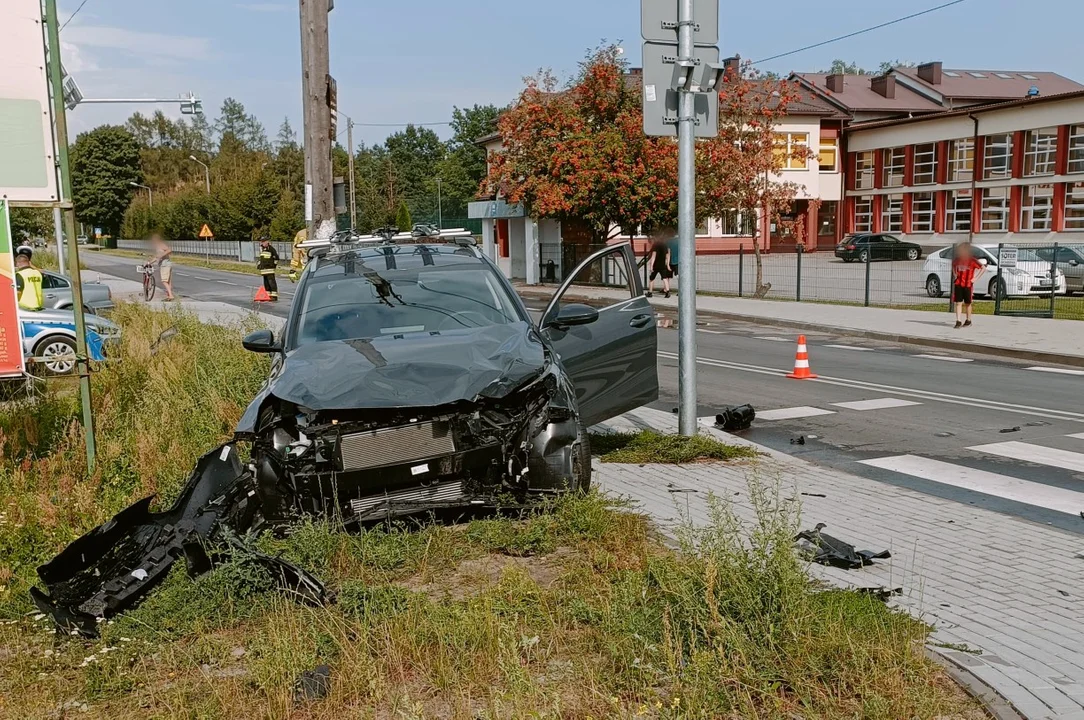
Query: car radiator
396,446
441,493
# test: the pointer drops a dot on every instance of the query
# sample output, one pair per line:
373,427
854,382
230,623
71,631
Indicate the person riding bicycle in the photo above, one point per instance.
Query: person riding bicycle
266,263
297,259
162,258
27,280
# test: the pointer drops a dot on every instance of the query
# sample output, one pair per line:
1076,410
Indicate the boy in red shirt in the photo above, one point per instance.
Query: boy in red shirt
965,270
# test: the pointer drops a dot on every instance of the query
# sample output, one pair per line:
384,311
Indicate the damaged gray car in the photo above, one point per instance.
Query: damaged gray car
409,377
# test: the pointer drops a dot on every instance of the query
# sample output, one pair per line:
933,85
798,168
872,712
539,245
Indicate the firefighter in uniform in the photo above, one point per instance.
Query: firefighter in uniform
27,280
266,264
297,259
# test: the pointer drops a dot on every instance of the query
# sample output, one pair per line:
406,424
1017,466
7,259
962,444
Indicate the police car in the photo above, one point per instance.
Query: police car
50,335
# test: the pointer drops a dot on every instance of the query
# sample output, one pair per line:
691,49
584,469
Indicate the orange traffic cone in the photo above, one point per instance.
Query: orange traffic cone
262,296
801,362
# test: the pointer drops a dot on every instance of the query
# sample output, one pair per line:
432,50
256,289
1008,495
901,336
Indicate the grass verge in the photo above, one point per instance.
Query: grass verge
648,446
212,264
577,611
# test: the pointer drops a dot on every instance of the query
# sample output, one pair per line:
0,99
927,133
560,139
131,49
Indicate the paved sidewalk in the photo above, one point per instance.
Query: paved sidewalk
218,313
1010,588
1026,338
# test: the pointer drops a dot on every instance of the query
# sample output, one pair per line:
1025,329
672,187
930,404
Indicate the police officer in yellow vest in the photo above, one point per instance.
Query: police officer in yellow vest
297,260
269,258
27,280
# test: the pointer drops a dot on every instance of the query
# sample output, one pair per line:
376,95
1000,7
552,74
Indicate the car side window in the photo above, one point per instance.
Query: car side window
610,271
889,239
52,282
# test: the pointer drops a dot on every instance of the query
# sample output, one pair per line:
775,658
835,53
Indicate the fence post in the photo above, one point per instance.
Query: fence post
741,268
798,277
999,284
869,262
1053,279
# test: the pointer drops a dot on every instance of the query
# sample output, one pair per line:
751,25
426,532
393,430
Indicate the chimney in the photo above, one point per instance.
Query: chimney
884,85
732,67
835,83
930,72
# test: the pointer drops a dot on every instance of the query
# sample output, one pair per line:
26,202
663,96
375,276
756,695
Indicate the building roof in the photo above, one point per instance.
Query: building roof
806,102
972,110
859,96
991,85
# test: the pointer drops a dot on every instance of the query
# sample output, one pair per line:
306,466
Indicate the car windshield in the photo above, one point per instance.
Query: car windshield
400,290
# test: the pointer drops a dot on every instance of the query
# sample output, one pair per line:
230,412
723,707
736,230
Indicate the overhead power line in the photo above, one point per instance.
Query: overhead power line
70,17
860,32
402,124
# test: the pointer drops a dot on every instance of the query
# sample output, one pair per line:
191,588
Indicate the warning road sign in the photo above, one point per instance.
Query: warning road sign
206,233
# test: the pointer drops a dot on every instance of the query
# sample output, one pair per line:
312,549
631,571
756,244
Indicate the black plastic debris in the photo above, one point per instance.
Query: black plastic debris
313,684
1006,431
881,593
800,440
114,566
816,495
165,336
734,418
827,550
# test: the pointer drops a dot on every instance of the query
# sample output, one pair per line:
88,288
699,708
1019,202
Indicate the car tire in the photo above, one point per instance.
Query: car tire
992,290
581,463
933,287
914,254
863,256
848,260
57,346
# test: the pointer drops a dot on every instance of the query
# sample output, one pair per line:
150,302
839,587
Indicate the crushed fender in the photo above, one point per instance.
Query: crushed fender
827,550
115,565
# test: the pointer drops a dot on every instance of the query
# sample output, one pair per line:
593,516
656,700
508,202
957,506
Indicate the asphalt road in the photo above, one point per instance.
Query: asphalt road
969,428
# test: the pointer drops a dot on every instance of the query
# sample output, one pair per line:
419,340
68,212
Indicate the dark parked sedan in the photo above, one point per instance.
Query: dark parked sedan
876,246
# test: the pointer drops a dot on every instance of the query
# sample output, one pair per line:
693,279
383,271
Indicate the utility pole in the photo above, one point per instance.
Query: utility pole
440,206
687,417
350,164
60,119
315,76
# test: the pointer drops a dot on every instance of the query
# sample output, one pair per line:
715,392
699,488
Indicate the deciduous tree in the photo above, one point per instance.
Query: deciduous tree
104,163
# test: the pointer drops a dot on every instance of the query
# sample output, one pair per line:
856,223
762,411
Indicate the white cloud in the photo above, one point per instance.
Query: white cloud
147,45
266,7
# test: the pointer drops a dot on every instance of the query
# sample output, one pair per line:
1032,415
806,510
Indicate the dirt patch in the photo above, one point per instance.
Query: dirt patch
477,575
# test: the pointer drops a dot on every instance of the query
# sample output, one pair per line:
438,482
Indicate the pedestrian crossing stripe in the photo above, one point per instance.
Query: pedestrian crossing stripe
878,404
1035,454
1003,486
793,413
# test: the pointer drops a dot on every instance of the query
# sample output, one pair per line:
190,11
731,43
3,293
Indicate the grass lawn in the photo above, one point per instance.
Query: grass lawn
213,264
578,610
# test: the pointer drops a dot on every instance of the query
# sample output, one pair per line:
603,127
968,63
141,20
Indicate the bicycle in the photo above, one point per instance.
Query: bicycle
147,270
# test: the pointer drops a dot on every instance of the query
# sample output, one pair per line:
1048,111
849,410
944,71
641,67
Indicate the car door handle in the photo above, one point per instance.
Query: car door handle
640,321
50,295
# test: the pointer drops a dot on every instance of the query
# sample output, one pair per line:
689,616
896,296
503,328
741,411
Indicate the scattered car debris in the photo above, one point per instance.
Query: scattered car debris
1006,431
827,550
816,495
881,593
944,435
1038,423
165,336
735,418
1063,593
672,488
798,440
313,684
115,565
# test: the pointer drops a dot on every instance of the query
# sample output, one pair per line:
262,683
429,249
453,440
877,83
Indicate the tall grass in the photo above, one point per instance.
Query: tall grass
157,409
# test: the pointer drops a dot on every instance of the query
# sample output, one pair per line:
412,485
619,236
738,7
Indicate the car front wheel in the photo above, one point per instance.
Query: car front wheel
933,286
996,290
581,463
57,355
863,256
913,254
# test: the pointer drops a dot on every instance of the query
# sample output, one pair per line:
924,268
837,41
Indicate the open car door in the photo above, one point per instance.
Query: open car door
610,352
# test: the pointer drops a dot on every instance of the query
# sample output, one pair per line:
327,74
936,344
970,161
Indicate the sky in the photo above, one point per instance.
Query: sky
414,60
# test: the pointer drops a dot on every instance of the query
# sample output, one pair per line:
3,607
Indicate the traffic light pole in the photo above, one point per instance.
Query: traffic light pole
61,121
687,415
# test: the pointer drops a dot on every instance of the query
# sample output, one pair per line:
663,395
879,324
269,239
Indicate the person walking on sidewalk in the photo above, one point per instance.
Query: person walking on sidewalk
659,261
965,271
672,245
163,259
266,264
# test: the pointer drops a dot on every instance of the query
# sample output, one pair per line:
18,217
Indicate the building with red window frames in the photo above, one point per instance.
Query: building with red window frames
1003,172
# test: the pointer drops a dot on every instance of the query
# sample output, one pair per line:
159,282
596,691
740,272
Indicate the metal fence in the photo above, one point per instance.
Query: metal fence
217,249
921,283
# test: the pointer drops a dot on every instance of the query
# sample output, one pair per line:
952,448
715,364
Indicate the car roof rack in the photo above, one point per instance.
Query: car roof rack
349,240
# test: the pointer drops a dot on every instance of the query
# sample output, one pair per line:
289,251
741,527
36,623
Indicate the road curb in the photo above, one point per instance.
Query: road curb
938,343
995,705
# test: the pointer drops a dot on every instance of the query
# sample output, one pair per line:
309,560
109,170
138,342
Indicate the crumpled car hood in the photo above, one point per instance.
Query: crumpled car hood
414,370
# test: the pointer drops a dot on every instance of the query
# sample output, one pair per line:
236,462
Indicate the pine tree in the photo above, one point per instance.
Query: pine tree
402,218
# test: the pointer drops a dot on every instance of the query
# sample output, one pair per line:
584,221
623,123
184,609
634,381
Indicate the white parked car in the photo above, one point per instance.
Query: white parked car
1031,276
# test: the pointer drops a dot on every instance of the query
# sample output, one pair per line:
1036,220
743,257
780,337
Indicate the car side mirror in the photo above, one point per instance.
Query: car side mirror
574,314
983,261
1074,263
261,341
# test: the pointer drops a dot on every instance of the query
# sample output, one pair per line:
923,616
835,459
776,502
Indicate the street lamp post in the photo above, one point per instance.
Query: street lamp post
440,208
206,172
150,196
